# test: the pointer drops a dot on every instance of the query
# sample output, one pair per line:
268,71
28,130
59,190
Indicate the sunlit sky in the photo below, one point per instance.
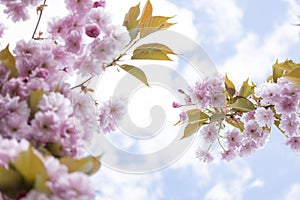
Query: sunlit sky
242,38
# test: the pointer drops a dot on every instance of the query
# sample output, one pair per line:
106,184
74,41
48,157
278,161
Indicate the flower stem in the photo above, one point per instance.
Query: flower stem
39,19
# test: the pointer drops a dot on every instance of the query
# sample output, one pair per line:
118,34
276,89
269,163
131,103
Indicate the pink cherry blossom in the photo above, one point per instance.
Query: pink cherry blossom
233,138
73,186
74,42
264,117
209,132
248,147
183,117
111,113
204,155
17,11
92,30
294,143
228,155
10,148
290,124
2,28
56,103
100,3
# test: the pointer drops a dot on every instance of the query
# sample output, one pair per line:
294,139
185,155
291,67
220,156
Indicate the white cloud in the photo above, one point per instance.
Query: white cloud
224,20
293,192
255,54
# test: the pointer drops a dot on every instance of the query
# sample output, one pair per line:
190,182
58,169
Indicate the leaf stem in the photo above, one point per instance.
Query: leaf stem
39,19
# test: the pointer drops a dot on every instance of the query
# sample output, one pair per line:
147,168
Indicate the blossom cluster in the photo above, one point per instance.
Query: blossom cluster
61,183
37,104
240,122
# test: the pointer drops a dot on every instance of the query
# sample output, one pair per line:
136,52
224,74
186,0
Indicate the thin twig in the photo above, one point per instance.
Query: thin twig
38,22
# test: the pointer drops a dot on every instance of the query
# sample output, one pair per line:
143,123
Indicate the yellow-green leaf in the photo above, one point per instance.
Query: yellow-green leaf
11,182
196,115
217,117
32,169
155,46
131,22
54,148
246,89
294,76
9,62
242,105
136,72
88,165
236,122
277,71
191,128
147,13
149,53
230,87
34,100
154,24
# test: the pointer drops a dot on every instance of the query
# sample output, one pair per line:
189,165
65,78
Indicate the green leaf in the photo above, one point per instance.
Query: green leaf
277,71
147,13
131,22
155,46
217,117
236,122
32,169
230,87
88,165
191,128
242,105
246,89
152,52
136,72
197,115
294,76
154,24
54,148
9,62
11,182
34,100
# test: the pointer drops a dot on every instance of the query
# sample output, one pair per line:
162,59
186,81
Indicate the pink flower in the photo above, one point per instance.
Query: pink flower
101,3
57,103
10,148
294,143
100,17
264,117
80,7
249,116
253,130
209,132
228,155
289,124
268,91
286,105
176,105
92,30
74,42
233,138
46,127
111,113
248,147
2,28
73,186
17,11
203,155
183,117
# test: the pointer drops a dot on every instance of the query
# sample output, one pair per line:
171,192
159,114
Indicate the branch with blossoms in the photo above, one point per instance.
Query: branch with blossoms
238,122
43,119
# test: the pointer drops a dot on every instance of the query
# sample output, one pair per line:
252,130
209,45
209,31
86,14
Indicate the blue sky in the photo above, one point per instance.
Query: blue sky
242,38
